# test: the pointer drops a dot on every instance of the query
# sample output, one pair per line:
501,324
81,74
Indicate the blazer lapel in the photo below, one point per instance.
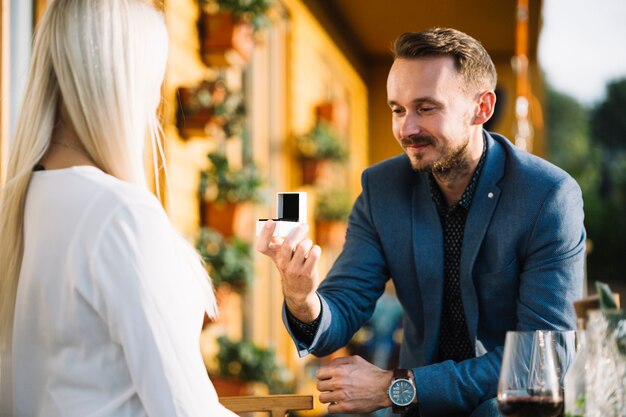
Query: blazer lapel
428,254
484,203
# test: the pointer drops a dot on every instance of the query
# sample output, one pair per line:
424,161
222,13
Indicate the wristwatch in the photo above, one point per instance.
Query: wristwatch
402,390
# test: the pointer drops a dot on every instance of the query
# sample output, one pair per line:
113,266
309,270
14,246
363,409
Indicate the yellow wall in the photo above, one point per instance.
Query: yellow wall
308,70
184,158
320,72
317,71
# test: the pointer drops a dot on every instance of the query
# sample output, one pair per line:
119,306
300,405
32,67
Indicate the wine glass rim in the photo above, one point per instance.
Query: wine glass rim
542,331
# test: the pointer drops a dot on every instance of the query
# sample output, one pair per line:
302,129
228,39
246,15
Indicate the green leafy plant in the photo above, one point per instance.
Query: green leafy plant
221,184
210,103
613,327
321,142
229,261
231,114
252,11
247,362
607,302
333,204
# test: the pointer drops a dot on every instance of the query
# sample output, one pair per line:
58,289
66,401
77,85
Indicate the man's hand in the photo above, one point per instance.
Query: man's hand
296,259
352,385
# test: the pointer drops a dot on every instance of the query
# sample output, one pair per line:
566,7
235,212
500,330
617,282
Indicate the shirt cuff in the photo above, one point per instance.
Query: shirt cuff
304,332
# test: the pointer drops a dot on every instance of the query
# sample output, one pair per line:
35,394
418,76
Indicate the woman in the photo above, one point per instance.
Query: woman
101,301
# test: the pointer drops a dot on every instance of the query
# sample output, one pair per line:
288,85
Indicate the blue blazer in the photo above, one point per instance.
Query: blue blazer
522,266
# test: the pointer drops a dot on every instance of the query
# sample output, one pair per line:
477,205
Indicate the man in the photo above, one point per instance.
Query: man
477,236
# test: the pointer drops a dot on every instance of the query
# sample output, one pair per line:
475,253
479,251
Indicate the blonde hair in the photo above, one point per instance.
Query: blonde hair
97,65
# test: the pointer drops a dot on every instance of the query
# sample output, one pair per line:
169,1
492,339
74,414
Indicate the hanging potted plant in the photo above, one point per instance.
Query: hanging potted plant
231,115
229,264
320,144
332,208
222,189
238,364
226,25
198,107
228,261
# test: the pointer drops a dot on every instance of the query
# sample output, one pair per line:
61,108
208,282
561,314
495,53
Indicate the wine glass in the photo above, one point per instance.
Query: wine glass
531,376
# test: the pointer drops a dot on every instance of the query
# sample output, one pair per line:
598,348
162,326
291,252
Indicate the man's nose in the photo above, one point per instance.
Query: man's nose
409,125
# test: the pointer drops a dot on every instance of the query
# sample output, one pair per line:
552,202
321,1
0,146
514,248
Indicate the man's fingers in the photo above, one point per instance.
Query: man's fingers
332,369
291,241
310,263
329,397
301,251
264,241
327,386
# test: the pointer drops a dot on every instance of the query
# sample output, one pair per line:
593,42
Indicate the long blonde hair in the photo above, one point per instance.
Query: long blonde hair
97,65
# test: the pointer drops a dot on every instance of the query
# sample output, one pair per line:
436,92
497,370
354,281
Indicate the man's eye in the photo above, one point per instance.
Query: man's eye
397,110
426,109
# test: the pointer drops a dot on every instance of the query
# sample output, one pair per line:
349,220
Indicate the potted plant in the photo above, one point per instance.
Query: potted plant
222,189
231,114
228,261
229,25
319,144
198,107
332,208
247,363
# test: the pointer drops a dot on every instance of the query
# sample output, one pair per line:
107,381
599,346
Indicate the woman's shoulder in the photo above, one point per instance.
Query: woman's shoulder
96,199
109,193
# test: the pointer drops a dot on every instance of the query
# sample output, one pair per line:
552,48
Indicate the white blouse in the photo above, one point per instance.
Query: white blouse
108,312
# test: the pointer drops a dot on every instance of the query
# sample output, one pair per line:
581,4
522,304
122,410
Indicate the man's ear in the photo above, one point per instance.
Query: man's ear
486,106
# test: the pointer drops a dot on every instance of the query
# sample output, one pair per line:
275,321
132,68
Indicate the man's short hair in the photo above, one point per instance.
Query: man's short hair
471,59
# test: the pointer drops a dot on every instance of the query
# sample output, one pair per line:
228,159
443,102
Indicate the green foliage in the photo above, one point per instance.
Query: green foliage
599,166
248,362
333,204
252,11
321,142
228,261
605,219
231,114
569,143
608,120
607,302
608,123
221,184
617,324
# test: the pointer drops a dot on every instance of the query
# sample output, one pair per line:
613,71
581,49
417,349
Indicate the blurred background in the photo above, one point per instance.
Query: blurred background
263,96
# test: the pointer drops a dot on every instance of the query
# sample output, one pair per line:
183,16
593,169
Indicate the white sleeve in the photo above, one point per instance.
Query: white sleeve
147,294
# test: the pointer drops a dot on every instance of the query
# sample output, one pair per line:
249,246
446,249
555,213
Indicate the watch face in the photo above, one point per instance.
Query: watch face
401,392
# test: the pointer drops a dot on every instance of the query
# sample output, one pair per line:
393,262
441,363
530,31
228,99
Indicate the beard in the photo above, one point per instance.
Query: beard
451,162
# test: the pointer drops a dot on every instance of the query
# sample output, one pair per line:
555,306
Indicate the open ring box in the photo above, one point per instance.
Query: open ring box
290,213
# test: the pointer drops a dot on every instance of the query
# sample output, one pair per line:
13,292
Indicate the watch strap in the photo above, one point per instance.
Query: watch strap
400,373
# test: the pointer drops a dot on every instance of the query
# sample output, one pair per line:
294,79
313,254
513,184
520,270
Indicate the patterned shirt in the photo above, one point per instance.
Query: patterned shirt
454,340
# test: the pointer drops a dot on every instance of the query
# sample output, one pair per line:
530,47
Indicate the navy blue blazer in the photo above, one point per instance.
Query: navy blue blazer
522,266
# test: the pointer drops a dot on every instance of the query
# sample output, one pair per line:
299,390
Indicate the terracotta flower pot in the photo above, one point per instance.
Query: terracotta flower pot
229,387
330,233
197,107
325,111
220,33
311,168
220,217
